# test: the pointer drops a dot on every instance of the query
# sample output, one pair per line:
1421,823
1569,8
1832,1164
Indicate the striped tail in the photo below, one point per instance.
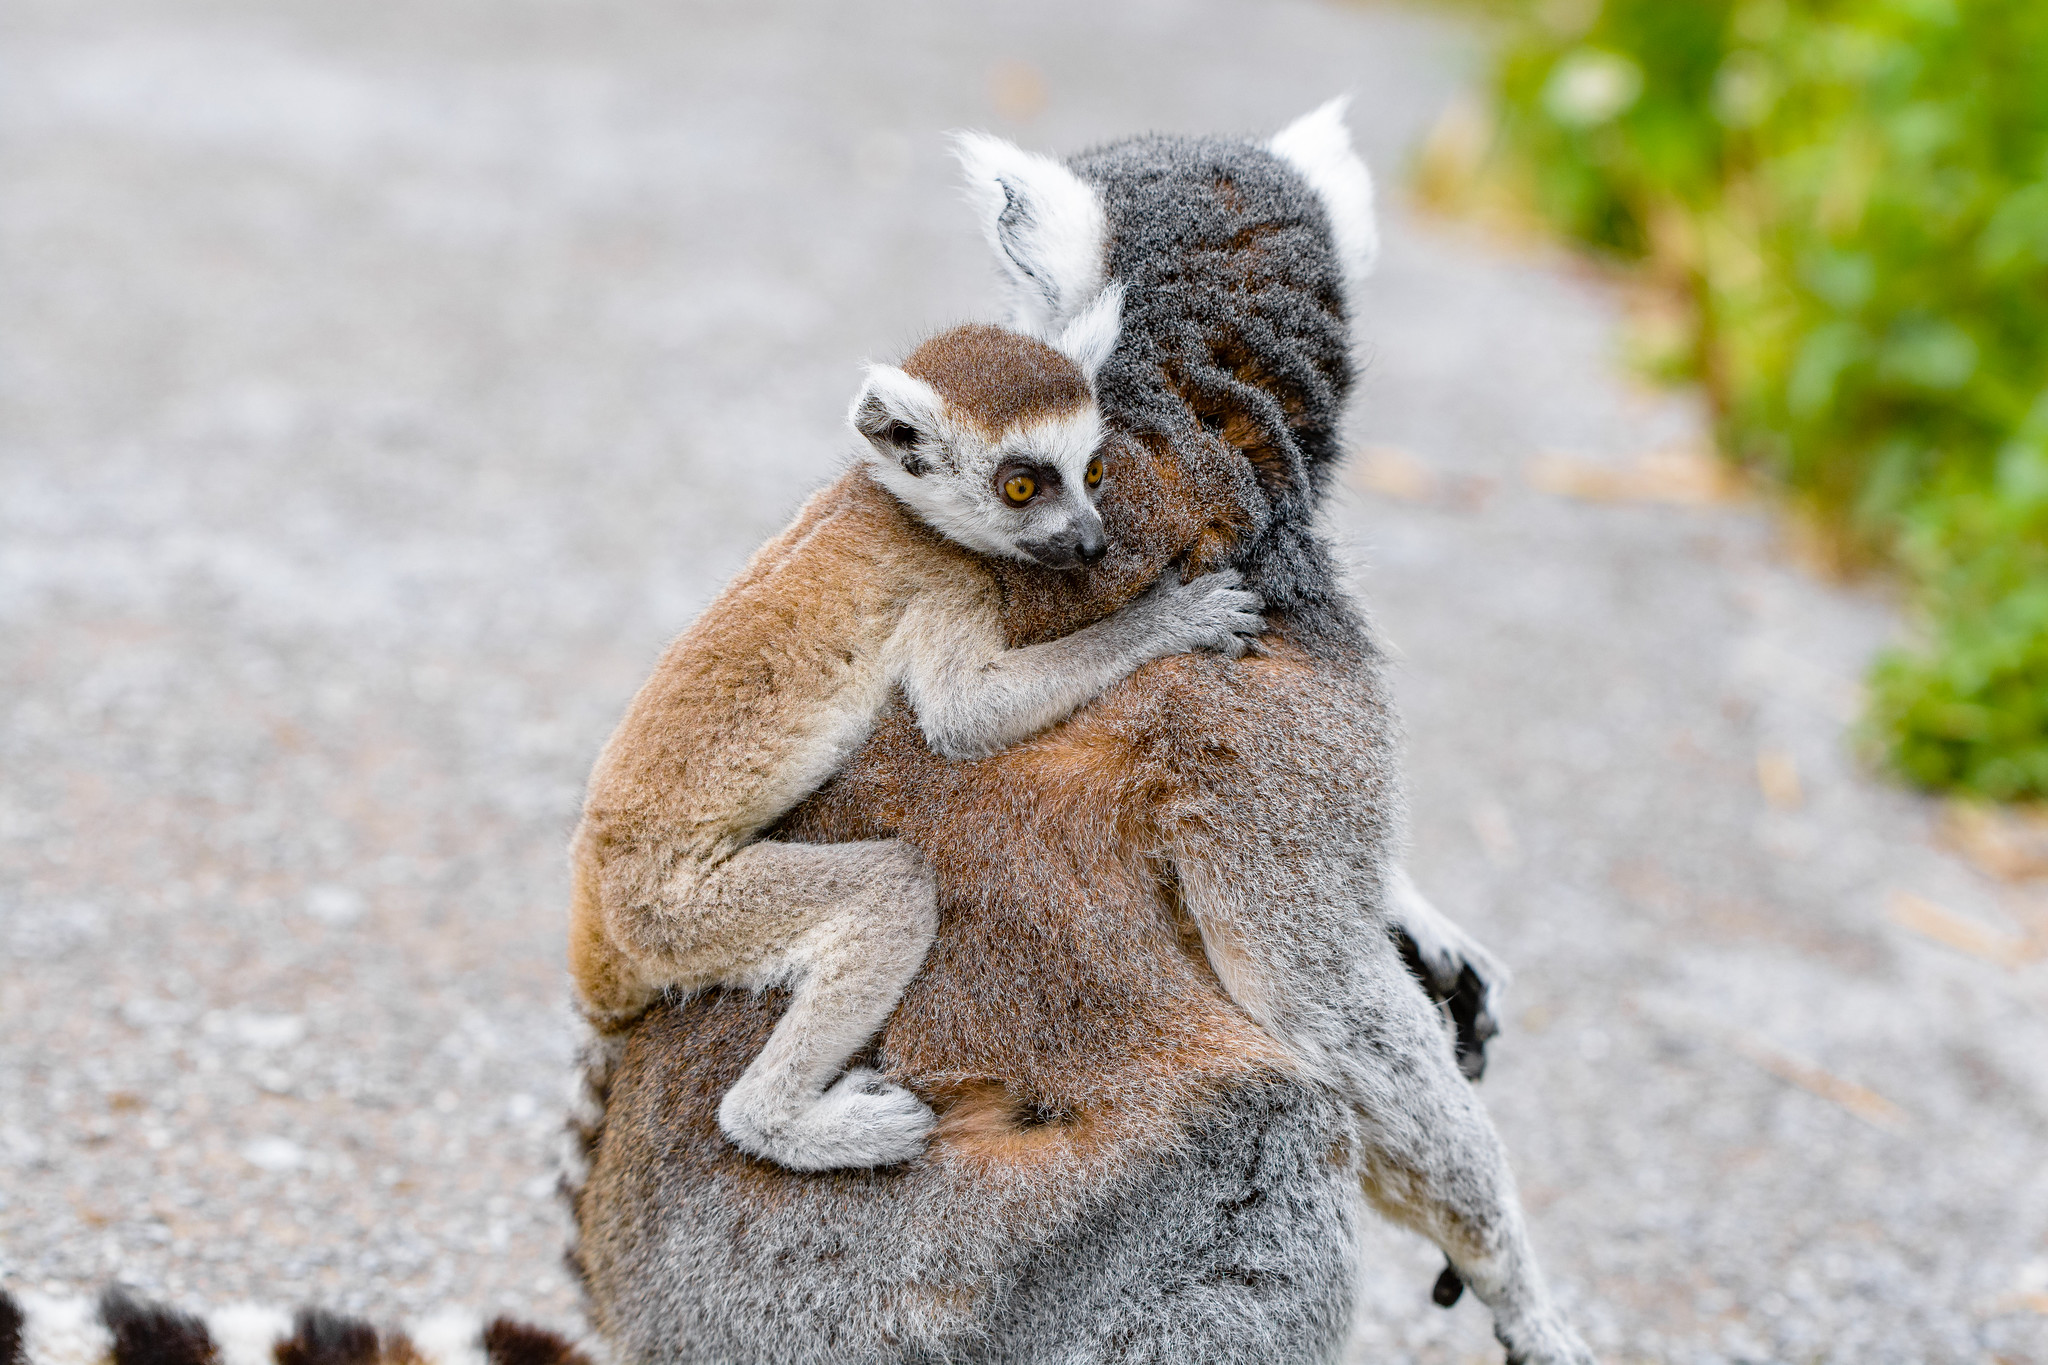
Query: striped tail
120,1329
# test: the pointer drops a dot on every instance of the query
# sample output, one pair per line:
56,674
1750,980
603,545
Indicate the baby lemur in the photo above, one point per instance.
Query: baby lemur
989,438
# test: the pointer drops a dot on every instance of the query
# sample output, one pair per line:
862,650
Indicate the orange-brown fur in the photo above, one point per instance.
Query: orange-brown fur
828,589
997,377
776,683
1163,1019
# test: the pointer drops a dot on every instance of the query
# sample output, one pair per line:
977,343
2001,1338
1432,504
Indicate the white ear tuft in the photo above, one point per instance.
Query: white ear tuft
891,397
1091,336
1045,223
901,394
1319,146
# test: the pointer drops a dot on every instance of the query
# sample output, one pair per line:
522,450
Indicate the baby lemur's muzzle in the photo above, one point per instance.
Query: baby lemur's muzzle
1078,542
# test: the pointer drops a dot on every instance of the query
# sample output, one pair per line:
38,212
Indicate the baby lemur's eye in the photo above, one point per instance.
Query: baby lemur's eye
1019,489
1094,472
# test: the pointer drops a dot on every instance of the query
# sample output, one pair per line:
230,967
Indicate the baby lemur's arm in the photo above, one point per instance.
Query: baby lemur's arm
973,697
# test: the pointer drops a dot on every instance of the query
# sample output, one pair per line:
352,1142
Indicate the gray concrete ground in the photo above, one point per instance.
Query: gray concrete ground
384,382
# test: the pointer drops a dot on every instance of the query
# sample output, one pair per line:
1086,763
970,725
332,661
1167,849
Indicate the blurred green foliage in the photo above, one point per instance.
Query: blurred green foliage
1853,195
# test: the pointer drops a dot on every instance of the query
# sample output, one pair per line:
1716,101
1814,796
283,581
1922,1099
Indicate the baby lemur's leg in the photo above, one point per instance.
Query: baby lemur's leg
846,926
1430,1160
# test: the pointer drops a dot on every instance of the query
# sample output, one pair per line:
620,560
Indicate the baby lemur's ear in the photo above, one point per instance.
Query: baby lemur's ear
1046,224
1090,337
898,415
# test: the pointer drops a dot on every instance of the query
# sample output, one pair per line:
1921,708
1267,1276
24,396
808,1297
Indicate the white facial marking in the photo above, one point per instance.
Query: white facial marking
1065,443
947,477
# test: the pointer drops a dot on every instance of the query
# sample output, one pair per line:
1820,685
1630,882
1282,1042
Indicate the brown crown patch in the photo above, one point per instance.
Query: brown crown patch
997,378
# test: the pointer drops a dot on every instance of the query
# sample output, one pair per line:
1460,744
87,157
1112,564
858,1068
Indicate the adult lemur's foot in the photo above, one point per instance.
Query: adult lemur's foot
1543,1340
1455,968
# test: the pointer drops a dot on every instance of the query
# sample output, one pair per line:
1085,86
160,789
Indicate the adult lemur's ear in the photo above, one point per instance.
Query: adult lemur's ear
1091,336
898,414
1319,146
1046,224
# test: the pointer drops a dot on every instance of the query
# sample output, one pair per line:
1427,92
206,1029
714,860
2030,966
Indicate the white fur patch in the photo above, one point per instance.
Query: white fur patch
904,397
450,1338
1046,224
1067,443
938,503
1091,336
1443,945
246,1333
1319,146
63,1331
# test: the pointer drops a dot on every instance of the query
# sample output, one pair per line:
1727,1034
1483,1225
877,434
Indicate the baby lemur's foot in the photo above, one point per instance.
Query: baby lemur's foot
1215,611
862,1119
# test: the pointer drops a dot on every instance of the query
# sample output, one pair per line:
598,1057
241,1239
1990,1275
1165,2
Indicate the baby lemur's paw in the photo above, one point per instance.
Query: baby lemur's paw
1215,611
863,1119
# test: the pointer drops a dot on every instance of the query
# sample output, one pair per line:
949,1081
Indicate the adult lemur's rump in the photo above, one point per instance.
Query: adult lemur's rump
990,439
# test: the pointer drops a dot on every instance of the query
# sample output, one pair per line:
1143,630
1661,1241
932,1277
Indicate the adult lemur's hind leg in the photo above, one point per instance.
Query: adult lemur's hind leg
846,926
1430,1160
1330,984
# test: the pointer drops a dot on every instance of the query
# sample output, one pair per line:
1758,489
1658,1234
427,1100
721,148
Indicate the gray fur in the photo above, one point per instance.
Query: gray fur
863,915
1238,1246
1234,1243
971,706
1174,244
1224,1231
1279,923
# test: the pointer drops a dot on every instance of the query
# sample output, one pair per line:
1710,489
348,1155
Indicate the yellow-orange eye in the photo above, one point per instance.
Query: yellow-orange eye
1094,474
1018,488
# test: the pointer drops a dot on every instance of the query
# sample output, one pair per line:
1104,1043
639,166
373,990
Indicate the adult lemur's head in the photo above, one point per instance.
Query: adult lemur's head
1238,263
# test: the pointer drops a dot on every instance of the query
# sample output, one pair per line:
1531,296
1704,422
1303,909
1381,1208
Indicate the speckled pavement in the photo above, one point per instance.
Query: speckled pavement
381,385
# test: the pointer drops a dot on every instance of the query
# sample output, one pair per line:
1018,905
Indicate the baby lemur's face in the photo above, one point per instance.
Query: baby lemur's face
991,438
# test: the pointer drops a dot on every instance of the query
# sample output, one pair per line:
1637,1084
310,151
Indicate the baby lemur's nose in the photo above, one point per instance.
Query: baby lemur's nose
1092,545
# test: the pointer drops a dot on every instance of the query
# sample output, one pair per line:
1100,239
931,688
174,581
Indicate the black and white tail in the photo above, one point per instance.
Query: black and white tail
120,1329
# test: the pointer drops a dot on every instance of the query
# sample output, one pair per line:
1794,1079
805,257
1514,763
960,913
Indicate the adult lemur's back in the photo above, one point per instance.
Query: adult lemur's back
1162,978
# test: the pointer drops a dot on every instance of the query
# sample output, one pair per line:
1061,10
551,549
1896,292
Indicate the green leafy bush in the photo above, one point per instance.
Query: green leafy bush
1854,196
